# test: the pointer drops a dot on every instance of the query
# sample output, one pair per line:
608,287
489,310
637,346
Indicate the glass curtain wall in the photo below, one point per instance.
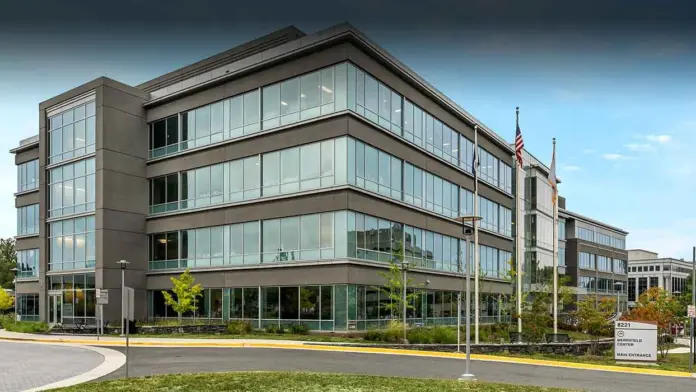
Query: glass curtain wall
27,263
329,90
28,220
72,188
28,176
72,244
78,302
27,307
71,133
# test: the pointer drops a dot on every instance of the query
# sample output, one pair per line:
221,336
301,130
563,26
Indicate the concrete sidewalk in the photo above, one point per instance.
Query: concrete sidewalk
111,340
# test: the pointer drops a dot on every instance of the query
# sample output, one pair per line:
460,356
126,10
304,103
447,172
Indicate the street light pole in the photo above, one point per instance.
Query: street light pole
15,270
404,265
618,293
123,264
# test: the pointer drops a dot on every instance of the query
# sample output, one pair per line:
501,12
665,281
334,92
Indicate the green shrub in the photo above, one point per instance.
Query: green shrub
272,328
299,329
443,335
239,327
420,335
26,326
373,335
284,328
7,318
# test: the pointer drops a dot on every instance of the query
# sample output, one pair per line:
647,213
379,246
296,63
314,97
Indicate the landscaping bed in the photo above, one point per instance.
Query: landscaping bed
295,382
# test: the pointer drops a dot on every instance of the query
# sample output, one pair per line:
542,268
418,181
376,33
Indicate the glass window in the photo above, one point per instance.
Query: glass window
72,188
28,220
271,302
72,244
72,133
27,263
28,176
289,303
309,303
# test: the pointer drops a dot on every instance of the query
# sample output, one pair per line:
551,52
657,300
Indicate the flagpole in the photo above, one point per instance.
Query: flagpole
555,242
519,229
476,241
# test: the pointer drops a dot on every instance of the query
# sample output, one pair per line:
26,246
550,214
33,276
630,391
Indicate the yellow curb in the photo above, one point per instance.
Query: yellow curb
374,350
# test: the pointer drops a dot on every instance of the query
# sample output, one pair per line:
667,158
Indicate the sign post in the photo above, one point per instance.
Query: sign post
691,314
635,341
102,299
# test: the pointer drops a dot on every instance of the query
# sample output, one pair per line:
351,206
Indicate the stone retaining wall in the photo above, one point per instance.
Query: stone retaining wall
575,348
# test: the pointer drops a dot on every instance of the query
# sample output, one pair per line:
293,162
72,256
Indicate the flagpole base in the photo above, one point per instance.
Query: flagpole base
467,377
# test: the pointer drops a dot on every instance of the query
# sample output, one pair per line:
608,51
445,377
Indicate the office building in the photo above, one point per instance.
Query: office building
595,257
646,270
284,173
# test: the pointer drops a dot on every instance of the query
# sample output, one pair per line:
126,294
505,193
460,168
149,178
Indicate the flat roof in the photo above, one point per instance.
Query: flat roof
590,220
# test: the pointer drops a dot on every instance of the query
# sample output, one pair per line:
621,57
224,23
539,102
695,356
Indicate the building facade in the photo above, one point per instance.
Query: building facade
595,257
646,270
284,173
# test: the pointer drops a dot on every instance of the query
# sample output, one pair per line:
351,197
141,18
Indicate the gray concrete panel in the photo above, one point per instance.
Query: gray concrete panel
27,155
122,192
28,243
27,199
27,287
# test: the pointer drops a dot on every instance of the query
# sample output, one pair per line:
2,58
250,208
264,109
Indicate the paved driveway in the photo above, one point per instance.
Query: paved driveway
25,366
154,360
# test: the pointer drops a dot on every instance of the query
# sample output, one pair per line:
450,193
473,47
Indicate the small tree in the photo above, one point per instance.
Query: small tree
8,261
595,317
394,285
657,305
6,301
186,293
535,317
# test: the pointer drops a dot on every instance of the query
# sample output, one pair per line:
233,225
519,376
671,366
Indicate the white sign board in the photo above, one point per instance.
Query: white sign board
102,297
691,311
635,341
130,303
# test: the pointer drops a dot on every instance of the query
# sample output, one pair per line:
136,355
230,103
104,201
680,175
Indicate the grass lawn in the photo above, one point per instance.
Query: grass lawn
294,382
672,362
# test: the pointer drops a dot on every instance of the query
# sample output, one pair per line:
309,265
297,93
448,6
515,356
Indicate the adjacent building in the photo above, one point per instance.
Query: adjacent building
283,173
595,257
646,270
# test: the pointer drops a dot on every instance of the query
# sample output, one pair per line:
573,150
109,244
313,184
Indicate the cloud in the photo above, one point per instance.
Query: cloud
571,168
587,151
639,147
662,139
614,157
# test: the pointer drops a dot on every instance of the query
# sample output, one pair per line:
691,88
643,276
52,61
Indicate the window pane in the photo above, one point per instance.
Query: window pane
290,96
289,302
310,232
309,97
309,303
310,161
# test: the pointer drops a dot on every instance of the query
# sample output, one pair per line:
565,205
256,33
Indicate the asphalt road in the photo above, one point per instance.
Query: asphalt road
148,361
24,365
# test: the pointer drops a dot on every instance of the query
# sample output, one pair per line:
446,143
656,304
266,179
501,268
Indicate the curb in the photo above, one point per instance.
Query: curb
369,350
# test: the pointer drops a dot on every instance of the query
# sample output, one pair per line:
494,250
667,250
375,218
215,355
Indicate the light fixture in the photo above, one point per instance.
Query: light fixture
283,103
445,144
303,96
326,89
162,240
397,111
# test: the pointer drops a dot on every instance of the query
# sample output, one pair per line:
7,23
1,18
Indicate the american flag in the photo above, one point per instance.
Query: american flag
519,144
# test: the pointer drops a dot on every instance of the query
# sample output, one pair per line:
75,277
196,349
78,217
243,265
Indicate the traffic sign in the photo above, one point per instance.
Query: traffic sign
102,296
691,311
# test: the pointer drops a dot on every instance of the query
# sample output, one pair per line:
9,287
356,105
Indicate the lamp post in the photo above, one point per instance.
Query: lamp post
404,266
15,270
123,264
618,299
467,376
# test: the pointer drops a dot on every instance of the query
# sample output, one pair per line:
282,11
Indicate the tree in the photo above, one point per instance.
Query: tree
394,285
594,317
6,301
659,306
510,307
186,293
8,261
535,316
